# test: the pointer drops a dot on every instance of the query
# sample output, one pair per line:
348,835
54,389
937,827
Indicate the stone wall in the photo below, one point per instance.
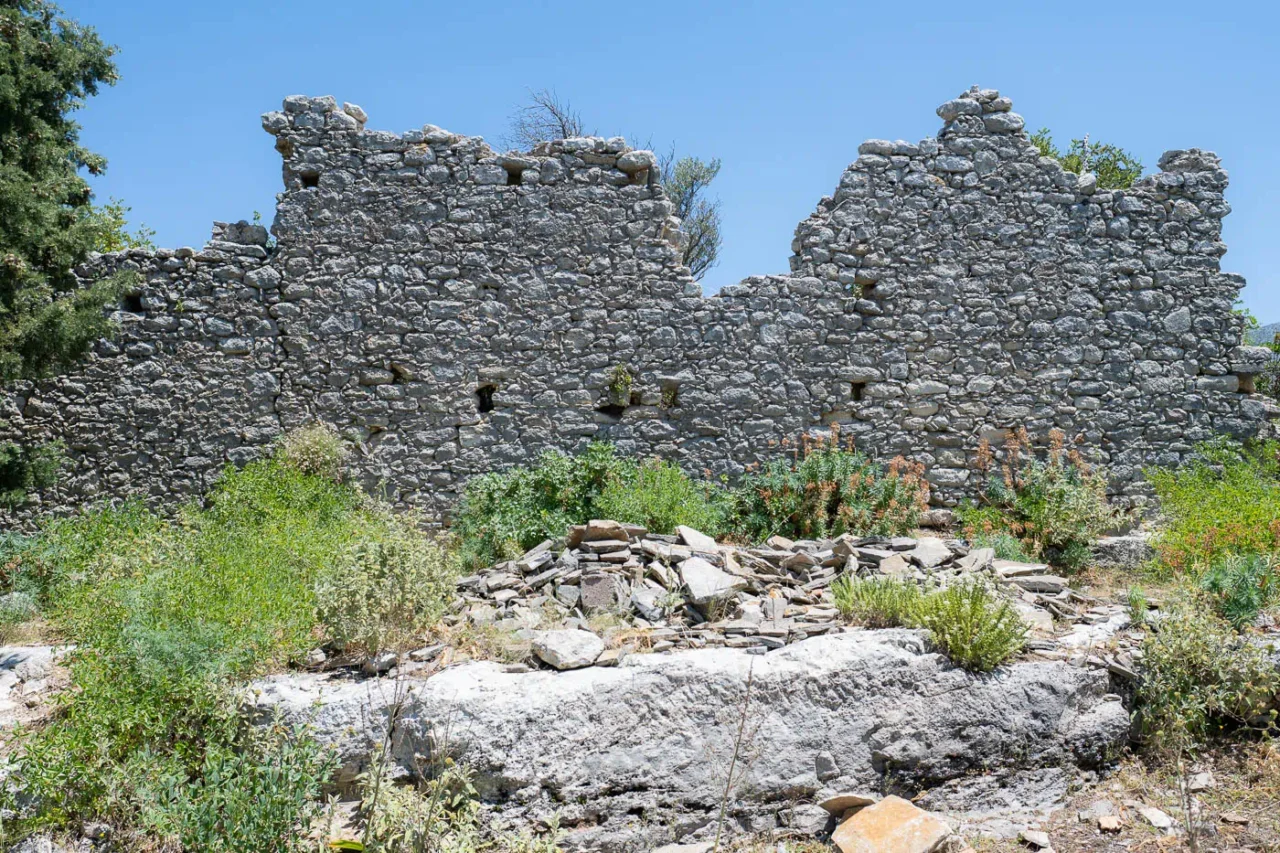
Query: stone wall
457,311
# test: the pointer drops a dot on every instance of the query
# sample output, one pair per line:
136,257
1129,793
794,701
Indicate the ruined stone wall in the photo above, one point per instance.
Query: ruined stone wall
457,311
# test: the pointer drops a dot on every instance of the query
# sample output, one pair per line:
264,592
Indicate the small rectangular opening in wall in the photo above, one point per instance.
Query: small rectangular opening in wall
310,180
513,179
1247,383
484,398
869,290
857,390
131,302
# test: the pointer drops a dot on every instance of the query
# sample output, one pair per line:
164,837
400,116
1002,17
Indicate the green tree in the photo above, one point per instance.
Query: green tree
1115,168
686,181
49,65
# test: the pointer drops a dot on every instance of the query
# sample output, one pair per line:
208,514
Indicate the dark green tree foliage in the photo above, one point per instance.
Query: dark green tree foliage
49,65
1116,168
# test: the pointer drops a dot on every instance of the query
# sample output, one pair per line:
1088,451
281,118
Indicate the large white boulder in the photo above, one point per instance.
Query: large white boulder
639,751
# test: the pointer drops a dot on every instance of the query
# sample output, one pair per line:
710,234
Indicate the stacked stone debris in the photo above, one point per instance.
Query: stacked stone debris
456,310
688,591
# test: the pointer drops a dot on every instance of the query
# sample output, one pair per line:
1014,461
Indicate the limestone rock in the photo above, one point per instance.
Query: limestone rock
706,583
568,649
601,734
892,825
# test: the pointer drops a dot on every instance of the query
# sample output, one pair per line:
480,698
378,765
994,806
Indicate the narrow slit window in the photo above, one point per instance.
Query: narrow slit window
132,302
484,398
310,180
857,391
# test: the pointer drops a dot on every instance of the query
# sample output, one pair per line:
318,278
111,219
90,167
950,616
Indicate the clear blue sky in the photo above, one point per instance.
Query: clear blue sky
781,92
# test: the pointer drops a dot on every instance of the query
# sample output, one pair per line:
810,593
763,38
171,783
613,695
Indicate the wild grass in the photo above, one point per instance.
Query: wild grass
969,622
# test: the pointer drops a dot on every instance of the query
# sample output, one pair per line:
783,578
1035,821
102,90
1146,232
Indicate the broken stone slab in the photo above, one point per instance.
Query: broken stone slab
1123,552
838,804
1036,839
870,698
929,552
1013,568
696,540
1050,584
1156,817
601,593
571,649
977,560
892,825
707,583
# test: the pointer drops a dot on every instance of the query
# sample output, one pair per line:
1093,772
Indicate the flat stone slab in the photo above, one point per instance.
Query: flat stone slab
653,732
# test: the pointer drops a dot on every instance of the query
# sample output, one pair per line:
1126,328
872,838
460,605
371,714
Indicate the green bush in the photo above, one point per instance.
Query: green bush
386,589
314,449
1226,500
170,616
878,602
973,625
1242,586
1056,505
1200,679
969,622
826,490
659,496
25,469
1115,168
501,515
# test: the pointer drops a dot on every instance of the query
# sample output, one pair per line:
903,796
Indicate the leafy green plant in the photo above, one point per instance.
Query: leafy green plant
827,489
1055,504
1200,679
620,382
1225,500
437,813
28,468
1115,168
314,449
500,515
1135,598
387,588
1241,586
658,495
878,602
15,608
972,625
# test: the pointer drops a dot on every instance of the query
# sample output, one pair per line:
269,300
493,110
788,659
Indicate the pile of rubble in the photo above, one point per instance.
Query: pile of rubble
688,591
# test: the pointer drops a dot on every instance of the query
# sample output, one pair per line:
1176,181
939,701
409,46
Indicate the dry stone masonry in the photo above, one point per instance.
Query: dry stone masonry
456,311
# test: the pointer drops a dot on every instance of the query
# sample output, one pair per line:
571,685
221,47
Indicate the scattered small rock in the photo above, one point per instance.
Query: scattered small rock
1155,817
1037,839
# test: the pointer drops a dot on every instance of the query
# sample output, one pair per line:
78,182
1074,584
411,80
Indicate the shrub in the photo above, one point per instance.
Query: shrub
1242,586
28,468
1200,679
386,589
659,496
973,625
1225,500
1135,599
314,449
15,608
1115,168
168,616
826,490
878,602
969,622
1056,505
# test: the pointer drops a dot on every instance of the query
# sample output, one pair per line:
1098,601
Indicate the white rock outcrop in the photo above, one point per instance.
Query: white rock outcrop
640,750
